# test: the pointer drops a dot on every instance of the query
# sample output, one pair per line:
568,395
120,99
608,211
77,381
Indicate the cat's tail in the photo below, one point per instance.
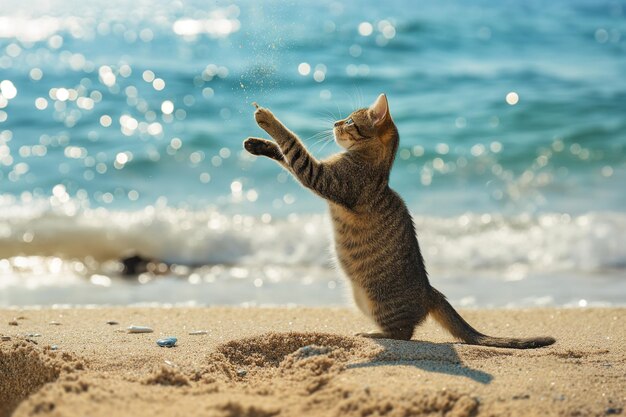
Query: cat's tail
452,321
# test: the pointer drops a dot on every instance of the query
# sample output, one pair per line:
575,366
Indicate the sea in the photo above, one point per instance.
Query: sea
121,130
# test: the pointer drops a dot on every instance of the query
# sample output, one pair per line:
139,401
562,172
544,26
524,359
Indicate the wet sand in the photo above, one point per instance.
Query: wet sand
304,361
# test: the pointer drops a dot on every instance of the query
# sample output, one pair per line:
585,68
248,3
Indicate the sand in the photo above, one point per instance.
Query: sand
258,362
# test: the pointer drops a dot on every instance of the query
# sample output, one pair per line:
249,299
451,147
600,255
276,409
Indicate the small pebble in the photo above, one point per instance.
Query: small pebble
612,411
5,338
170,363
33,335
20,318
112,322
198,332
241,372
13,323
54,347
55,323
167,342
140,329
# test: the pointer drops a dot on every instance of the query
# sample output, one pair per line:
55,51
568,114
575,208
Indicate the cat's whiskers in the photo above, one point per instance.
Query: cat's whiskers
339,110
324,138
322,134
328,140
326,122
360,97
356,97
328,115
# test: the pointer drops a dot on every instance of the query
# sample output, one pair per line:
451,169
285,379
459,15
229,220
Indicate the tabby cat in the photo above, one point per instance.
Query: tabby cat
374,233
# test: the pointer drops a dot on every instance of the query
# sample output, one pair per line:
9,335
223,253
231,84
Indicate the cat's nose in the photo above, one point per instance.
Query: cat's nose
339,123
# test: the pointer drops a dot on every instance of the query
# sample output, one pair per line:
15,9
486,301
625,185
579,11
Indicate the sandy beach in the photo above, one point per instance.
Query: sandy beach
301,361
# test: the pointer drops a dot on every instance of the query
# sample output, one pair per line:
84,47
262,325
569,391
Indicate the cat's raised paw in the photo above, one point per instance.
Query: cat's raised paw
264,117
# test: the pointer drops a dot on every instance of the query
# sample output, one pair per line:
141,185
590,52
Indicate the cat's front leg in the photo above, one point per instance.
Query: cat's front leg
309,171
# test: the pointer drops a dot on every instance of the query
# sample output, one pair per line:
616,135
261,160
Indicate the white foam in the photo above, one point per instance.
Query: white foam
515,246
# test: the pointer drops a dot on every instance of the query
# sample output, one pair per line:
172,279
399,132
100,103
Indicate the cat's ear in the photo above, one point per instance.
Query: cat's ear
380,109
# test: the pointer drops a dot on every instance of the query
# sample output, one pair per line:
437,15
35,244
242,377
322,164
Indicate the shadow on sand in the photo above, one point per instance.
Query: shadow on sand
431,357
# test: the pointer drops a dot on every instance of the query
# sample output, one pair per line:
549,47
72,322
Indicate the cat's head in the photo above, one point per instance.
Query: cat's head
371,129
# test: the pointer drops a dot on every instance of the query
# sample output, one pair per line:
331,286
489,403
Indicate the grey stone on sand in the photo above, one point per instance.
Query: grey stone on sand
167,342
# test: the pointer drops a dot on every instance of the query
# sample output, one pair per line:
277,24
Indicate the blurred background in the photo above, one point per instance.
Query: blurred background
123,179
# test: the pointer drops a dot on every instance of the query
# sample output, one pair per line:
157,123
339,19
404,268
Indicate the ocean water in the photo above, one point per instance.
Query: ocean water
121,129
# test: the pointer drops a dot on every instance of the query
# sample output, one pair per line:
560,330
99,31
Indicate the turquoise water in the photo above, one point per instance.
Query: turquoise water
121,128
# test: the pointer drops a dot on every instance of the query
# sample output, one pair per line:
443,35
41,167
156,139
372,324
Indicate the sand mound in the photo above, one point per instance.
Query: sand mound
168,376
302,372
25,368
251,356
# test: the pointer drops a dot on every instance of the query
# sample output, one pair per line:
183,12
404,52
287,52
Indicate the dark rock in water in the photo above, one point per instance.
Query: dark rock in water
134,265
167,342
137,265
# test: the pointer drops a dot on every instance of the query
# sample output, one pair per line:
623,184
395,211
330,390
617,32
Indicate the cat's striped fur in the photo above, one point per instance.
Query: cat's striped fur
375,238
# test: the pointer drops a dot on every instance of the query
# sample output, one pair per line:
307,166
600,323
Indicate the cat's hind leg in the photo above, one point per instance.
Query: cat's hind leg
396,321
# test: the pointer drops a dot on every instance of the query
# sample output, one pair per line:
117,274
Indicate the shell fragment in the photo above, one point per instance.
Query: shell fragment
140,329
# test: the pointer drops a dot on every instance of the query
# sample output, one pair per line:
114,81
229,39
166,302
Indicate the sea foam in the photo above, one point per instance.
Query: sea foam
592,242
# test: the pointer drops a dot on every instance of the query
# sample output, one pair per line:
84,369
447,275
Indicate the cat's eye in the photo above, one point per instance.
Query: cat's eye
349,121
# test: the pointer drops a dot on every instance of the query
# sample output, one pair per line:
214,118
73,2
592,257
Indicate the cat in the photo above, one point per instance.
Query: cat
374,234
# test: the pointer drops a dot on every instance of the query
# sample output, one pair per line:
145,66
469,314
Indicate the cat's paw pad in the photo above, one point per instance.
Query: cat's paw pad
264,117
257,146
